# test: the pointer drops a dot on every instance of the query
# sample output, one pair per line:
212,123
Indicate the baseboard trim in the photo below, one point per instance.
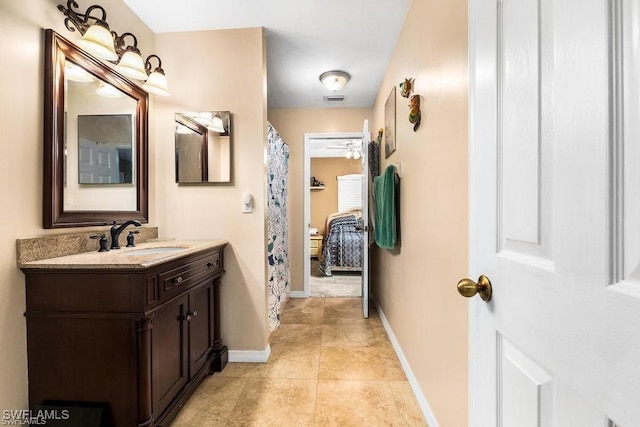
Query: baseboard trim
297,294
413,382
250,356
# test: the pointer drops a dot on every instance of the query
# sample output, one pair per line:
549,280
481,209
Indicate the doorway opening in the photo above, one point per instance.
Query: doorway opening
333,215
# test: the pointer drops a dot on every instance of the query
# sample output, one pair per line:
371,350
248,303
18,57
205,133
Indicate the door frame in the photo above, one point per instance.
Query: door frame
305,293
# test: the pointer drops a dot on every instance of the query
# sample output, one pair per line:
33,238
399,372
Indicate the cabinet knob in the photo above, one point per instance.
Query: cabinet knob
213,264
178,279
190,315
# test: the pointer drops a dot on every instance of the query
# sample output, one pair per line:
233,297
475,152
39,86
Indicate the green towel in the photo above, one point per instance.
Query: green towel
384,190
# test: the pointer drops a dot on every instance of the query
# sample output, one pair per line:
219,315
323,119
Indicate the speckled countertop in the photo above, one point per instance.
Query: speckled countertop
127,257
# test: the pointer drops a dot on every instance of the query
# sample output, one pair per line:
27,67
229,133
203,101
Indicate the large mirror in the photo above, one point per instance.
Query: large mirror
203,147
95,140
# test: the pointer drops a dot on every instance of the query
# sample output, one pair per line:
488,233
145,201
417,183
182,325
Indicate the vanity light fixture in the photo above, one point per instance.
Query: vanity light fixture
217,125
96,35
131,64
334,80
183,130
77,74
103,43
212,123
108,91
157,82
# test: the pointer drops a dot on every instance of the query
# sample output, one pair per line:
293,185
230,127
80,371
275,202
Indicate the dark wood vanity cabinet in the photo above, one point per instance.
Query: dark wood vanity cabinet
136,342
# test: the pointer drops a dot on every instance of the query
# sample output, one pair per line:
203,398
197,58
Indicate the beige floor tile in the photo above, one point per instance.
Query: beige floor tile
350,335
327,364
297,335
355,403
291,363
377,362
345,310
239,370
275,402
212,402
406,403
303,311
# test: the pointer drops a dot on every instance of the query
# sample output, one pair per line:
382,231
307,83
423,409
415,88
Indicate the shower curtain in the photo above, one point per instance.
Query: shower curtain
277,224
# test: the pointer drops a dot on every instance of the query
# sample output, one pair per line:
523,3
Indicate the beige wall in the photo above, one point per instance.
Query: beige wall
415,284
211,71
292,124
325,202
21,103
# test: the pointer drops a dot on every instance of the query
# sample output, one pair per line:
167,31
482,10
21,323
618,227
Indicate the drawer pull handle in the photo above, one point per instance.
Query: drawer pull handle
213,264
178,279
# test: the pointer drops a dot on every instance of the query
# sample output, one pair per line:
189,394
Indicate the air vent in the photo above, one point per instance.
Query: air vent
334,98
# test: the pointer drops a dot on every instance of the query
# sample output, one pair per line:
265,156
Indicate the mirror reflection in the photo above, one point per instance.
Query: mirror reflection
104,149
203,147
100,130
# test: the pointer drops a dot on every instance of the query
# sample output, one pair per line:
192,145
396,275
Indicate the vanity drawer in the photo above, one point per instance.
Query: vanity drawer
180,278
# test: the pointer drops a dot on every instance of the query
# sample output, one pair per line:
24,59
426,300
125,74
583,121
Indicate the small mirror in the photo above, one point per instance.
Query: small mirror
203,147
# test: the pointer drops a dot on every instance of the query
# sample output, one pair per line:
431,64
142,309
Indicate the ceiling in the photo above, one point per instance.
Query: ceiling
304,39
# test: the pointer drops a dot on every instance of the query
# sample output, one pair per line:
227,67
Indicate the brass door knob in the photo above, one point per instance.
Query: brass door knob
468,288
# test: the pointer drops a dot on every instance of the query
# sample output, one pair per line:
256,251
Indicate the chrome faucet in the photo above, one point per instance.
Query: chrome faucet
115,232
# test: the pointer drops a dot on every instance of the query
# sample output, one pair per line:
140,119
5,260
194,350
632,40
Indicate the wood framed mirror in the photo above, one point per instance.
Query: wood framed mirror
95,141
204,149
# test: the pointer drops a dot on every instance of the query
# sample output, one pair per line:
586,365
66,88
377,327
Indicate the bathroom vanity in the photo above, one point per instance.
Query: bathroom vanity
134,331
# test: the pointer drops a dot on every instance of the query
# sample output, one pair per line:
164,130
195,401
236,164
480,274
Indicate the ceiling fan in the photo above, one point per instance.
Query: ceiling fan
351,150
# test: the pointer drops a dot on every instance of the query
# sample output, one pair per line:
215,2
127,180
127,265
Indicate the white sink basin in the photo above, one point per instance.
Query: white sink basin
152,251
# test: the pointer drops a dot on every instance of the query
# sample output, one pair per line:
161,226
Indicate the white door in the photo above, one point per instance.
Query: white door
97,163
365,218
555,212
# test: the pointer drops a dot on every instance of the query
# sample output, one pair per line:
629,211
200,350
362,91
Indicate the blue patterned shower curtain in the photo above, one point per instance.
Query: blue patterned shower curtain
277,234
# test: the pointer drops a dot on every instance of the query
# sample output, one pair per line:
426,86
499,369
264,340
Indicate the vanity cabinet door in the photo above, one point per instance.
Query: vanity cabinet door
169,352
200,326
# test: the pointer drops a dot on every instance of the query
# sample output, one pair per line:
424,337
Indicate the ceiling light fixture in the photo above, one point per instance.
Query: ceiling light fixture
103,43
334,80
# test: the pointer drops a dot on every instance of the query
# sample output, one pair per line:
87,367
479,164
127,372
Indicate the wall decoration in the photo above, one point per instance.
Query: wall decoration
406,87
414,111
390,124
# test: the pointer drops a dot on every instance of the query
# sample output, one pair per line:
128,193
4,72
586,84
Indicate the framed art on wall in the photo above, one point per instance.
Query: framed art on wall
390,124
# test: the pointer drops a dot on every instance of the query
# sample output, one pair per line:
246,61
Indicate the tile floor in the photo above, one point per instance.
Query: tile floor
328,367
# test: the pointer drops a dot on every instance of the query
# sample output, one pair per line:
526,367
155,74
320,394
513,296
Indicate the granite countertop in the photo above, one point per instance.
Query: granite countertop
148,254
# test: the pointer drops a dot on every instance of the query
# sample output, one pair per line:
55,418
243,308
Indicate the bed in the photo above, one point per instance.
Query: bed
342,245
